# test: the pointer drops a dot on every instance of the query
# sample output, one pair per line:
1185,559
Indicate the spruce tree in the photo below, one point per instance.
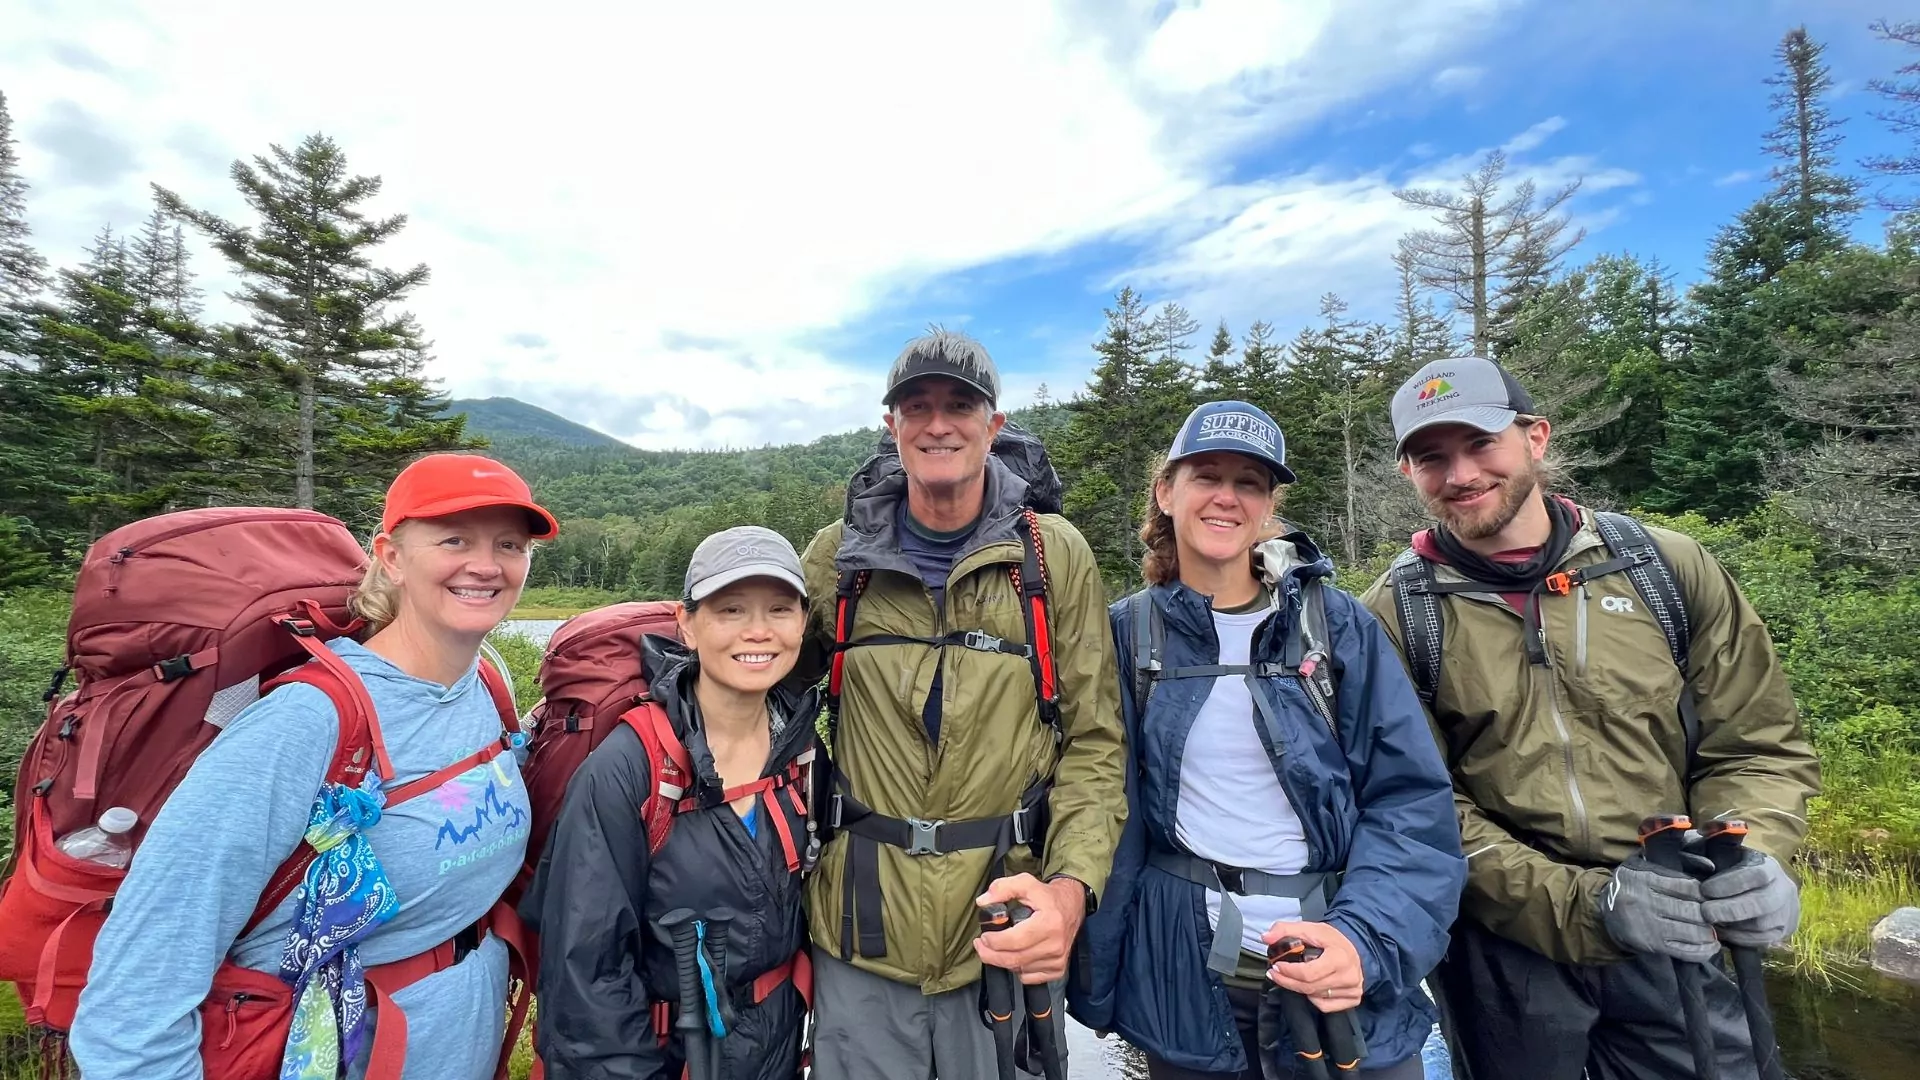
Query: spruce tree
1104,448
23,272
1494,245
1805,137
1220,378
1901,115
325,321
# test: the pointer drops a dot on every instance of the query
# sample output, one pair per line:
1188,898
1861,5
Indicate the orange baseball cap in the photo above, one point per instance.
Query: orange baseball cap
442,484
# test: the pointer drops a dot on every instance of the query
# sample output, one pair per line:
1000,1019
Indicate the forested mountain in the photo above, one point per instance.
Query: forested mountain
507,418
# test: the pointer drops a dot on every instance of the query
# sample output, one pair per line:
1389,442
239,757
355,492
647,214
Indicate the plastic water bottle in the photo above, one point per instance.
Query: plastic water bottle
107,843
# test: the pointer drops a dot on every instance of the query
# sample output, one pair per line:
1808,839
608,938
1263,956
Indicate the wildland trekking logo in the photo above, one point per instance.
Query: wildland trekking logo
1434,388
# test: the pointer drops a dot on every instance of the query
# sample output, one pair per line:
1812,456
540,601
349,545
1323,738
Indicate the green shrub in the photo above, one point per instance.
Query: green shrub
33,634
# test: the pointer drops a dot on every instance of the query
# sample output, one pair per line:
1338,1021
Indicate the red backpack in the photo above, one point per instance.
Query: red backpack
167,613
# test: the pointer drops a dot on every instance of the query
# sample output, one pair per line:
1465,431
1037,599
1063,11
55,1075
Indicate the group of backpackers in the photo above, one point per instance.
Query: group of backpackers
1239,816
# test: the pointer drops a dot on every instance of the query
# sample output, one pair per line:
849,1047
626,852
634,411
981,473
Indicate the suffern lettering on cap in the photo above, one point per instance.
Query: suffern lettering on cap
1241,427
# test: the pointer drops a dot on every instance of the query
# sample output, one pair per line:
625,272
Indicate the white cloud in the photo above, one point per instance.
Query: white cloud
1455,80
1738,176
1531,138
1277,245
651,212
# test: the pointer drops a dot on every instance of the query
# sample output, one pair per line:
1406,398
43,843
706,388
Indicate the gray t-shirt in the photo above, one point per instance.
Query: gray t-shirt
241,810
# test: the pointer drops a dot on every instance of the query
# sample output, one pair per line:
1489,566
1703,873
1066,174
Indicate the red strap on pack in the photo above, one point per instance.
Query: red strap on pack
433,780
840,632
798,967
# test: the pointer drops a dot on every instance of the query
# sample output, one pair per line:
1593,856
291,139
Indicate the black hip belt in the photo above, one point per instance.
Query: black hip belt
1313,888
867,829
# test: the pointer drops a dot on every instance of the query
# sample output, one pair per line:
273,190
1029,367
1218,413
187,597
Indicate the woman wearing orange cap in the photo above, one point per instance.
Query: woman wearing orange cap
398,911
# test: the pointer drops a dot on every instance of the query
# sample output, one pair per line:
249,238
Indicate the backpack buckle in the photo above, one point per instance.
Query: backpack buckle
1022,832
176,667
982,641
924,837
1561,583
299,627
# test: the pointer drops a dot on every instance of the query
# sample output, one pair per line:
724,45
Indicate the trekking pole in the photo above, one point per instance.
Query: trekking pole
997,985
676,931
1302,1025
1725,841
1661,839
1039,1000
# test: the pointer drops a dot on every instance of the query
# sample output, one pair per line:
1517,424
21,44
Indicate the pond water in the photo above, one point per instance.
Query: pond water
1862,1028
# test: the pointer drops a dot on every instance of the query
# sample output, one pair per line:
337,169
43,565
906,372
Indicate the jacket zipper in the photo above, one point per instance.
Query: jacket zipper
1566,753
1580,634
119,558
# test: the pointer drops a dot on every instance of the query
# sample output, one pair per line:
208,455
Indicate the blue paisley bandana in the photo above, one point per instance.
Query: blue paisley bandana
344,896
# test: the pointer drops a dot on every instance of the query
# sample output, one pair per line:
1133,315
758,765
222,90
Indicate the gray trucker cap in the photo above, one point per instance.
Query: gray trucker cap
1467,390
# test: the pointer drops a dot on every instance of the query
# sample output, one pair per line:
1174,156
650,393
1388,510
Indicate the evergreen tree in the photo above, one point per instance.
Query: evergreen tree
1221,376
23,273
1805,137
1859,482
1105,449
1493,248
324,317
1421,334
1262,362
1901,114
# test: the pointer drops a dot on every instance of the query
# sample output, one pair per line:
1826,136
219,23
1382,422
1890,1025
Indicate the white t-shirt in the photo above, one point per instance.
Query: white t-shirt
1232,808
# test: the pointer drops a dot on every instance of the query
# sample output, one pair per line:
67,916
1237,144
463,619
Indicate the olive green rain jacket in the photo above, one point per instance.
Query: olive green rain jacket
992,745
1554,767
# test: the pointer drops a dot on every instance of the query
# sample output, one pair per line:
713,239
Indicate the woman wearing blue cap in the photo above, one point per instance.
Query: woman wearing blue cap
675,946
1288,801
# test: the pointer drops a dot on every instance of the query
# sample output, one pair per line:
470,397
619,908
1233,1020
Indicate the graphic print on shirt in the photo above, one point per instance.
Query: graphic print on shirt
484,811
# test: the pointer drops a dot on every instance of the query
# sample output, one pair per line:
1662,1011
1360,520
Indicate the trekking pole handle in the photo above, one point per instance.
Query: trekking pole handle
1302,1023
1725,843
1662,839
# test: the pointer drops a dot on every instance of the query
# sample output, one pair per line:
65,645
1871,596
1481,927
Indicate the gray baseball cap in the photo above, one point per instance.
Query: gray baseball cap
1470,390
744,551
948,353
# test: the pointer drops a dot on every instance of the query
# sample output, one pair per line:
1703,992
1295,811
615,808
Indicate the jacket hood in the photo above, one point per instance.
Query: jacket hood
870,541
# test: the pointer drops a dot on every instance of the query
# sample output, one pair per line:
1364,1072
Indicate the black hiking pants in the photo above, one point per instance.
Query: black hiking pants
1512,1014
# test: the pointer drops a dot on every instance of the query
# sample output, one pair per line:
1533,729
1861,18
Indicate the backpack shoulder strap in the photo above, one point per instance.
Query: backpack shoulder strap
669,767
1030,582
1310,653
1653,578
357,748
1149,640
1421,628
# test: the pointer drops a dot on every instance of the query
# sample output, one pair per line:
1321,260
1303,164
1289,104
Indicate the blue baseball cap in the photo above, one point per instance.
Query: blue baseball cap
1237,428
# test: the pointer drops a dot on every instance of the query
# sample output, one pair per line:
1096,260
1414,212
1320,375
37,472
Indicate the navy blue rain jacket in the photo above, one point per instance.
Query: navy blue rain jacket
1377,803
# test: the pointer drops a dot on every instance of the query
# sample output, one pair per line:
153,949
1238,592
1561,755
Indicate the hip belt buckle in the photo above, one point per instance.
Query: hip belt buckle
924,837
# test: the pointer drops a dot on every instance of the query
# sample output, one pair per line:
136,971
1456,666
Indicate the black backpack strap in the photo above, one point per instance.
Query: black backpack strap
1652,576
1421,628
1149,628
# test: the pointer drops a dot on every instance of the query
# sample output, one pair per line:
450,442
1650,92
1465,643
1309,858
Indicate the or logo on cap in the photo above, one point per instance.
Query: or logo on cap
1434,388
1239,427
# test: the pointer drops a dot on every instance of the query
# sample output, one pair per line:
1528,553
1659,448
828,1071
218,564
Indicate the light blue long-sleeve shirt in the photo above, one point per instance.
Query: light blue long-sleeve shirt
236,816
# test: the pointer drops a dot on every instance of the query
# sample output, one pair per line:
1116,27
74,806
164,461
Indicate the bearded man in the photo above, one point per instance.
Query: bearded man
1583,671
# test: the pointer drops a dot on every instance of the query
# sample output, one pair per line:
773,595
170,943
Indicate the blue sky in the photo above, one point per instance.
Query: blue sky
715,225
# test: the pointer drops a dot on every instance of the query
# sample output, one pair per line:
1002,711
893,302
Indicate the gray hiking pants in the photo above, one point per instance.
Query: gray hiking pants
867,1027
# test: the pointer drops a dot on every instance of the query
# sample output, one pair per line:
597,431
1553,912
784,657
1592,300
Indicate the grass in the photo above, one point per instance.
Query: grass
1839,904
562,603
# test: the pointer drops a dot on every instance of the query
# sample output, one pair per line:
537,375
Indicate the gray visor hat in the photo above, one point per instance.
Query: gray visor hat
739,553
1468,390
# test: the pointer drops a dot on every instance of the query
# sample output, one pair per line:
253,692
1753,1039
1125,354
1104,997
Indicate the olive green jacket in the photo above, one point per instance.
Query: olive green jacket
993,744
1554,767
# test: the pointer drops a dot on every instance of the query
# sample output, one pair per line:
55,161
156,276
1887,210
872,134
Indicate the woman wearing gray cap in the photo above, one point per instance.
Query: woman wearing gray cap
669,896
1290,863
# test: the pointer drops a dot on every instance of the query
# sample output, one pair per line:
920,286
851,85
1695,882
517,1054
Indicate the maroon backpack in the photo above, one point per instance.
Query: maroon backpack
179,621
589,678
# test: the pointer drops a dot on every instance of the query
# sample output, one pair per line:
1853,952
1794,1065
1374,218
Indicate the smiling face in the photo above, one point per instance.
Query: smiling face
1474,483
747,634
457,576
1219,502
945,429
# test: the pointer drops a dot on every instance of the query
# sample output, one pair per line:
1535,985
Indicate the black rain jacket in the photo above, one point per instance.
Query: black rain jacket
596,896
